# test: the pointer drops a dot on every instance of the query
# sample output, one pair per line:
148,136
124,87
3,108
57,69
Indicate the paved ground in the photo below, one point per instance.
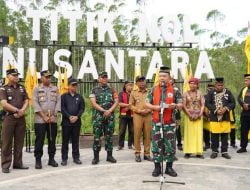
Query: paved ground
128,175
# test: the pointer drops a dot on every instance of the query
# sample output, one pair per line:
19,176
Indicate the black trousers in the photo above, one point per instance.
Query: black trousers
206,137
70,132
245,127
232,137
178,135
215,138
124,122
40,131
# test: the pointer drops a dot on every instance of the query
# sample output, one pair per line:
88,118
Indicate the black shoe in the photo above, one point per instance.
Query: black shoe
95,161
137,158
241,150
200,156
64,163
207,146
130,147
175,158
52,163
22,167
120,147
187,156
233,146
96,158
148,158
180,147
169,170
157,170
214,155
226,155
77,161
38,164
6,170
110,158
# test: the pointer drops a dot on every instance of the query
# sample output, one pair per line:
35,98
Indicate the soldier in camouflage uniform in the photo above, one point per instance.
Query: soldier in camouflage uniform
104,100
173,101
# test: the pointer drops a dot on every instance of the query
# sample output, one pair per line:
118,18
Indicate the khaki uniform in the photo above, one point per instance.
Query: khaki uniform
45,99
13,127
142,123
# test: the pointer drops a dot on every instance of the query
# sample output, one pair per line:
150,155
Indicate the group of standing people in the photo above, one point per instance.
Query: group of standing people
47,103
152,115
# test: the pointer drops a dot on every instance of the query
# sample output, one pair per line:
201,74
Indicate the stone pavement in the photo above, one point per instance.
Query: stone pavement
127,174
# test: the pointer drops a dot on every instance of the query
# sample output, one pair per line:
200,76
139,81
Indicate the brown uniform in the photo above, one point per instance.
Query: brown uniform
142,123
13,127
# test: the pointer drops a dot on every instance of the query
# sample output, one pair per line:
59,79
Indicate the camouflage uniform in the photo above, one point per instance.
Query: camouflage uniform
105,96
169,135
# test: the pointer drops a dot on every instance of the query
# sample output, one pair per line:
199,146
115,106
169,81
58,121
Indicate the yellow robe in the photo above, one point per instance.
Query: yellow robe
193,136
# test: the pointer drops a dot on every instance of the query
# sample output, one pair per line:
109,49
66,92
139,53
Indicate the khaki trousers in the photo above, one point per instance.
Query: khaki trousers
142,125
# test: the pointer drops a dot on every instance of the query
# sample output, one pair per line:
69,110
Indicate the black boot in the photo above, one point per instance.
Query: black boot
52,162
96,158
169,169
157,170
110,158
38,163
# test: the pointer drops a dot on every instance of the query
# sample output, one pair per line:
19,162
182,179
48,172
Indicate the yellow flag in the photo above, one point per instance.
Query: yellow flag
29,84
137,73
247,49
186,79
35,79
190,72
6,80
156,82
65,81
59,81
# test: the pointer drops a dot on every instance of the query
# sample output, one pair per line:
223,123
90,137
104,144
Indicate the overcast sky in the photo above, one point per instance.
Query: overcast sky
236,11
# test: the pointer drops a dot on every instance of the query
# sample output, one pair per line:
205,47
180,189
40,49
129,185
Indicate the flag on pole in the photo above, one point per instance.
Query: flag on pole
28,84
59,81
185,84
31,82
137,73
65,81
35,78
6,80
156,82
247,49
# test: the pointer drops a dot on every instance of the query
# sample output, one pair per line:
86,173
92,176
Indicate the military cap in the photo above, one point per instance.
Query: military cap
103,74
219,79
12,72
164,69
138,78
72,81
45,73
